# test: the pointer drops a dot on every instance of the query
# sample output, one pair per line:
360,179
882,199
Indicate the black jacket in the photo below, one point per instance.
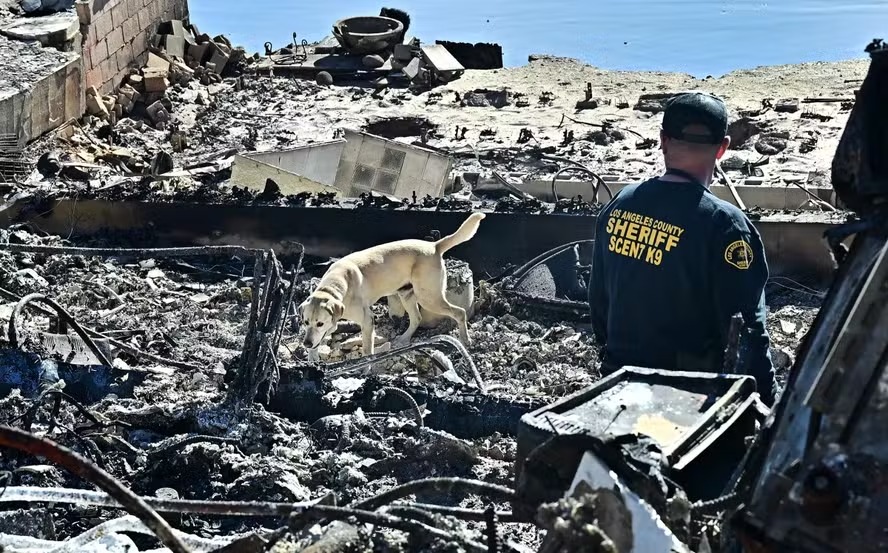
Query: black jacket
671,265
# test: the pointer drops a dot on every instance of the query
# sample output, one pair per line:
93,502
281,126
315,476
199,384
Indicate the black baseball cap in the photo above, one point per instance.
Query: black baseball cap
696,108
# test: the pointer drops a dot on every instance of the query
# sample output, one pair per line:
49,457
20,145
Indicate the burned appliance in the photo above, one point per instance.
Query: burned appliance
691,426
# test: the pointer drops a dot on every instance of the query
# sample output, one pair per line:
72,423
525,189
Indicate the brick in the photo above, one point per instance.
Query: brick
133,7
109,70
140,44
115,41
94,78
144,17
103,24
99,52
130,29
95,106
219,59
124,57
118,15
156,83
198,52
157,63
175,46
154,13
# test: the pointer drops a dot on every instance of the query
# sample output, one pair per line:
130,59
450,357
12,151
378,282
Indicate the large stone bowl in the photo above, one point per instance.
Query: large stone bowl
368,34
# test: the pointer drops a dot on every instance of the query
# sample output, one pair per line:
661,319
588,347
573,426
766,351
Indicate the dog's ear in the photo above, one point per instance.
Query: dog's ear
336,308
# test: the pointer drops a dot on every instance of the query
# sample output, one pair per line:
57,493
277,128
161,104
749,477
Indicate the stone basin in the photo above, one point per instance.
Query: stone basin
368,34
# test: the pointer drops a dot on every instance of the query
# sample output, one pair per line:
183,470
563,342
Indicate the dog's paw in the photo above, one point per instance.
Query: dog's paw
314,356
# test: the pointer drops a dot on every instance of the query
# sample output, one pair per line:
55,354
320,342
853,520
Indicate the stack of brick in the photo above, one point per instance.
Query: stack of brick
207,57
178,54
117,35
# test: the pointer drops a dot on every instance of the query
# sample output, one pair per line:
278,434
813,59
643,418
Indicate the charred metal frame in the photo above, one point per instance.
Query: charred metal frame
816,482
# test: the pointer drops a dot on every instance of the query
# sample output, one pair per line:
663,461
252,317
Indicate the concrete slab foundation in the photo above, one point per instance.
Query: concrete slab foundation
48,30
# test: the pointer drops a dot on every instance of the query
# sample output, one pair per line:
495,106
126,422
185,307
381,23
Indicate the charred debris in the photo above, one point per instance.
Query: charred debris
157,397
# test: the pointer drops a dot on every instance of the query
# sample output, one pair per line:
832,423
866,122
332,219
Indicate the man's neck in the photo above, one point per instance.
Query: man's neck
703,176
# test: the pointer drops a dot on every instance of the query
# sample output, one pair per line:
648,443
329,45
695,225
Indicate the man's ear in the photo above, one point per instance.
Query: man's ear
336,308
726,143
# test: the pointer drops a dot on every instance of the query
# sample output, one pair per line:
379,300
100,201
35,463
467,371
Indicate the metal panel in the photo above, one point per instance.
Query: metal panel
318,162
390,167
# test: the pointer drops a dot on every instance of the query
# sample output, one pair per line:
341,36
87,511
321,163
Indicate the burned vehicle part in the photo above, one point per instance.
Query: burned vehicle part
813,483
553,282
698,423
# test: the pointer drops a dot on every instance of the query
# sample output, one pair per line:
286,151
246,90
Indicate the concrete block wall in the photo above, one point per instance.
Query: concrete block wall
118,36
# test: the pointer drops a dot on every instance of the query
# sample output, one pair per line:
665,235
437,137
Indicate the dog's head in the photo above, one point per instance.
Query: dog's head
320,313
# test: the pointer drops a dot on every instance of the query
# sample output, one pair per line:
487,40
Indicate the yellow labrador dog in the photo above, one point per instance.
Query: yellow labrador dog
412,269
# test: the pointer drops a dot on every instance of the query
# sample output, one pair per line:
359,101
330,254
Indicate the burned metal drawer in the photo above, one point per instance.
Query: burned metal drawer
698,420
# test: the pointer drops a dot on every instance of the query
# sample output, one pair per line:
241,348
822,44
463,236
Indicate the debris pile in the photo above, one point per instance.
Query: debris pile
180,55
375,50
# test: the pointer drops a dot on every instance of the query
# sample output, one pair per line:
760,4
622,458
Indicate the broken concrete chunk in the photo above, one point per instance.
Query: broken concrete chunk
440,59
198,52
487,98
156,62
770,145
156,83
403,52
157,113
95,106
412,69
50,30
219,58
175,46
222,39
137,82
177,29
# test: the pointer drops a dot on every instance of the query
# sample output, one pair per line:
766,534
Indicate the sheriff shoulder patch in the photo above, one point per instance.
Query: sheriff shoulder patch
739,254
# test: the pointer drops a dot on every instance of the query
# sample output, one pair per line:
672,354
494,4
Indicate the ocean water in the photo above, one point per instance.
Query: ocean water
700,37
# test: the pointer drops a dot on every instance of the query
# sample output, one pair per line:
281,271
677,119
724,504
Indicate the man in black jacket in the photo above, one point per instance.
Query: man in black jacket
672,263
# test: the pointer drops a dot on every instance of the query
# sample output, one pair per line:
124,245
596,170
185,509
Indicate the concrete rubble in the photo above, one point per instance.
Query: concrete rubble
406,127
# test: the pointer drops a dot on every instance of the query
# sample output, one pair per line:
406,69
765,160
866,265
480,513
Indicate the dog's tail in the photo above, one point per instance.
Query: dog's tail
463,234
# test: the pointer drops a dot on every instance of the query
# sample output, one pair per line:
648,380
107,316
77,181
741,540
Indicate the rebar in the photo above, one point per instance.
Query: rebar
80,466
407,399
350,367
